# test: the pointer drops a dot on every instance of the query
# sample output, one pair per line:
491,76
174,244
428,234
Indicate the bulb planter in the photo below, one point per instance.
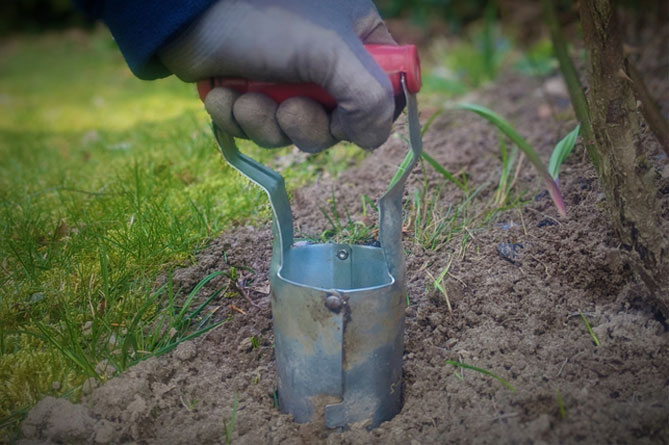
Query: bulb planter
338,309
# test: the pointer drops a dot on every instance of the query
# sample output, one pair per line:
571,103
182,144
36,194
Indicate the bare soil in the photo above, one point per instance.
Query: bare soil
514,315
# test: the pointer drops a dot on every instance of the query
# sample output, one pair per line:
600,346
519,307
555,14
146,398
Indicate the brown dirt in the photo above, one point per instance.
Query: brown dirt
519,319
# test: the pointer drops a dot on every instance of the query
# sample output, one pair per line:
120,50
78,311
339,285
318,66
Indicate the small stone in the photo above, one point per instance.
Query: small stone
509,251
89,385
544,111
539,426
88,328
104,369
541,195
546,222
373,243
665,172
90,137
245,345
555,86
435,319
185,351
36,297
584,183
507,226
105,432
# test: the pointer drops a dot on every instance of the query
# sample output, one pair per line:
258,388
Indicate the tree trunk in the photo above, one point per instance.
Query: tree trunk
651,112
626,175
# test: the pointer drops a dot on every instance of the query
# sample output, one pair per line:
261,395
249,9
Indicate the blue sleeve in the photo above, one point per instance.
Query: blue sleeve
141,27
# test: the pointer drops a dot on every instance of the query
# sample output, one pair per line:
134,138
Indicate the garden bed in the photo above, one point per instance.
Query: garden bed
518,313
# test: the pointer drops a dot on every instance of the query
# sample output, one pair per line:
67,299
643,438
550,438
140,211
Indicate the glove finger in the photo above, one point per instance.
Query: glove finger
365,102
363,92
306,123
256,115
218,104
379,35
371,29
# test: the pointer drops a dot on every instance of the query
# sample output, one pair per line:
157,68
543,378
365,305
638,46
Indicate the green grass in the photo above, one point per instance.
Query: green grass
561,151
560,401
150,332
229,424
343,228
432,224
438,283
482,371
453,67
435,224
594,338
106,181
471,61
509,131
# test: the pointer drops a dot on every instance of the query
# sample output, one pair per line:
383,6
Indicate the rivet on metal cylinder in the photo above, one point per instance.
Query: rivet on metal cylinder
342,254
333,302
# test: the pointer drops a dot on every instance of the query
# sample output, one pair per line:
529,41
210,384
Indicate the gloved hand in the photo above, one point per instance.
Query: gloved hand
290,41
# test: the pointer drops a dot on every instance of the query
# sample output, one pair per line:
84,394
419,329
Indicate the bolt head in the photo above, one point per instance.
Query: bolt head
333,303
342,254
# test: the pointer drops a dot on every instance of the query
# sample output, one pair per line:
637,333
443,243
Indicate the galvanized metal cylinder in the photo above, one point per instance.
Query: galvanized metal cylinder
338,329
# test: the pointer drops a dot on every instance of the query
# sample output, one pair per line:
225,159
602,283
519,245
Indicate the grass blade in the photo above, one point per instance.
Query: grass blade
445,173
66,348
589,328
230,425
517,139
204,304
430,121
401,169
433,162
561,409
482,371
195,290
561,151
176,343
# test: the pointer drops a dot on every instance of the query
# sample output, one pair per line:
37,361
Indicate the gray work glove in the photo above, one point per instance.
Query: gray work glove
290,41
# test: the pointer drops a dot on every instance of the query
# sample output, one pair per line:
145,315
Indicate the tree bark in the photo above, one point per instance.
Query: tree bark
649,109
627,176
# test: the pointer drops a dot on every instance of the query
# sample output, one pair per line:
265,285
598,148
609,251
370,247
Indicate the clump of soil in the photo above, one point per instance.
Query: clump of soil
517,292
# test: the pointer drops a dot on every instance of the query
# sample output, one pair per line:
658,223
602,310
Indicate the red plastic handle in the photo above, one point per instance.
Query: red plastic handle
394,60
